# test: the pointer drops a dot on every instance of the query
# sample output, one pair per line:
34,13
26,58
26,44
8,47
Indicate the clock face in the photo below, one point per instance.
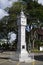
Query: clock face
22,21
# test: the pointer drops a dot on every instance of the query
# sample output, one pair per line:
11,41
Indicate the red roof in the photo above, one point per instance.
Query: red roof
40,31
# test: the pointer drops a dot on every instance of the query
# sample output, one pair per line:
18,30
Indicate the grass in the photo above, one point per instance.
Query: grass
36,51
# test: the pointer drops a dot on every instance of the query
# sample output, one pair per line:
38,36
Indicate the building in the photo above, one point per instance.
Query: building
36,38
40,34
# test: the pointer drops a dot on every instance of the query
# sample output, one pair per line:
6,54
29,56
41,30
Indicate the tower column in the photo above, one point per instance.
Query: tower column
22,22
21,39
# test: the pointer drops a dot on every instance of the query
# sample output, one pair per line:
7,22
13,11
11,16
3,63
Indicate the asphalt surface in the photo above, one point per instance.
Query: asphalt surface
6,61
10,62
39,58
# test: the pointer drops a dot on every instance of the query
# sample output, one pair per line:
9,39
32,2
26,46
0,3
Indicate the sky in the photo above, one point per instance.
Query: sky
3,5
3,13
40,1
6,3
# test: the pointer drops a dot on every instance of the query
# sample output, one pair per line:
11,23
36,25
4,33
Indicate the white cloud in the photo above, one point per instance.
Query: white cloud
3,5
40,1
6,3
3,13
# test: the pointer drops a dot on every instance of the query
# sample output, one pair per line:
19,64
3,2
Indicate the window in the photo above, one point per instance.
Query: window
23,47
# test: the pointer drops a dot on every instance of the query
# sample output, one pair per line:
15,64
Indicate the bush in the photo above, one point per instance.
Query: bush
36,51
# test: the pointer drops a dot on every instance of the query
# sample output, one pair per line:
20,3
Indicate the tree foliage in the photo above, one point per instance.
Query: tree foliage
32,9
14,11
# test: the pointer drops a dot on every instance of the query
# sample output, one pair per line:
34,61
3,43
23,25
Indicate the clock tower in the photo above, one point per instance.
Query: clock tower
22,22
21,45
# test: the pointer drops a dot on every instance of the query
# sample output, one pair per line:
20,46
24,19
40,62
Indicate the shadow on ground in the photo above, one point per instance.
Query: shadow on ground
4,58
39,57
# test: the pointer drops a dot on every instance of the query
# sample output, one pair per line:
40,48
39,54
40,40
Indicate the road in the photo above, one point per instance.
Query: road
7,61
10,62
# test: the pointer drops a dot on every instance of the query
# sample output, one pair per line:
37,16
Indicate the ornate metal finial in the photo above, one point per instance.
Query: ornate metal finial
22,14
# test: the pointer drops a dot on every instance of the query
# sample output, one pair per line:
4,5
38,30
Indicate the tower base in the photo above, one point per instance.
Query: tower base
25,57
22,57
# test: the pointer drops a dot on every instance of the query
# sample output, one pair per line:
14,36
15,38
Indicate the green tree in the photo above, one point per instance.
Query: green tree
27,1
33,11
14,11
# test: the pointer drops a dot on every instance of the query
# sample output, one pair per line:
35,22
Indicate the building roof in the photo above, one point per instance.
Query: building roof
40,31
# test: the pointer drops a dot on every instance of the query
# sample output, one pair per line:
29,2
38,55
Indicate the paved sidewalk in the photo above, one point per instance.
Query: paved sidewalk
9,54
